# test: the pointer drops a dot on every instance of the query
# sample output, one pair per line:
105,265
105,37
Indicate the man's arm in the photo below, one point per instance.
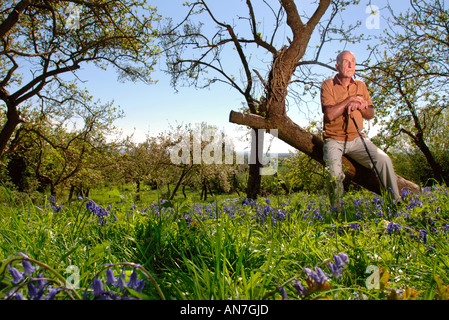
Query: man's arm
366,110
349,105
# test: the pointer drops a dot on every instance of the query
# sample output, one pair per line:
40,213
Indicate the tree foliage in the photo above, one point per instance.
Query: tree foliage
409,79
38,45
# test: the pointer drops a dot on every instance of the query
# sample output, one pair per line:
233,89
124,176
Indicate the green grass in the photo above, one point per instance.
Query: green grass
225,250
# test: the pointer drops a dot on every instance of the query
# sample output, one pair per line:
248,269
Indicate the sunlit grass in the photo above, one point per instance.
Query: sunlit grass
237,248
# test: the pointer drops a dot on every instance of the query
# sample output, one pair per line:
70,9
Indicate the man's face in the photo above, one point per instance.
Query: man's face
346,65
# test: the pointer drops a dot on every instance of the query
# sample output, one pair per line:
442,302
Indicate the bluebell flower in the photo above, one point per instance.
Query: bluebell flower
318,215
52,199
354,225
318,276
120,282
404,193
393,228
300,289
132,279
18,296
17,276
27,267
344,257
321,275
338,262
283,294
98,211
336,268
280,214
446,227
110,279
97,286
423,236
52,293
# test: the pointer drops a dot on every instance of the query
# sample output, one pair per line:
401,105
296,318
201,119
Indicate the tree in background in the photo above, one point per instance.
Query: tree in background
62,137
53,38
409,81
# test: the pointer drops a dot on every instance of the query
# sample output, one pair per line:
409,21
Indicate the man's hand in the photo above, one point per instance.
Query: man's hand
356,103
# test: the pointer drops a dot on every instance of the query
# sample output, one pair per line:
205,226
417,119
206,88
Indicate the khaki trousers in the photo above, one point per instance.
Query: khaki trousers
333,151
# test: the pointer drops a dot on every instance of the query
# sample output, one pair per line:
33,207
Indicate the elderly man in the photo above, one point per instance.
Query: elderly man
343,97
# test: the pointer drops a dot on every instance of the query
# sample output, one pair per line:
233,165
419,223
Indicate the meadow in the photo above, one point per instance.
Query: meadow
281,247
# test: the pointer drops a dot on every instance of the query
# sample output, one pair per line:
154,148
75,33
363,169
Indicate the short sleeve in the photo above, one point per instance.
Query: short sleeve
327,95
365,92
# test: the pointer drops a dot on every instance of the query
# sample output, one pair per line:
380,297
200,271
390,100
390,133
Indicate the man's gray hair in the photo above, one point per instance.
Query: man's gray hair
340,55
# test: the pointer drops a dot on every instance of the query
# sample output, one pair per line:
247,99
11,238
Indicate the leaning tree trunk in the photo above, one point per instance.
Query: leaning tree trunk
312,146
254,177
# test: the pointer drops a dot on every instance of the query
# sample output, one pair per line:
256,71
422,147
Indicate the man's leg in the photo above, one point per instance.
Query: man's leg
333,151
356,150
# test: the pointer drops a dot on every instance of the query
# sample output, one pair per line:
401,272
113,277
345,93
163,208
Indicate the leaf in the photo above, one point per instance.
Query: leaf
384,277
442,290
410,294
407,294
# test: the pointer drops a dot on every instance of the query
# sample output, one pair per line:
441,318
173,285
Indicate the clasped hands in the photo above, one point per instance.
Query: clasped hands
356,103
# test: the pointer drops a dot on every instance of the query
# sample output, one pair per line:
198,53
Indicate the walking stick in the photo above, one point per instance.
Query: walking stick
367,151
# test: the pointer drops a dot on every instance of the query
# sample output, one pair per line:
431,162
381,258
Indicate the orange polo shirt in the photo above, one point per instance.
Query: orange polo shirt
332,93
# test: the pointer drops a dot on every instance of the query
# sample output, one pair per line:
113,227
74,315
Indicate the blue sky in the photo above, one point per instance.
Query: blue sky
150,109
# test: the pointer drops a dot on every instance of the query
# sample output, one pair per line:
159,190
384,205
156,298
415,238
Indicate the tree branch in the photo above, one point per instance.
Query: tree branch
13,17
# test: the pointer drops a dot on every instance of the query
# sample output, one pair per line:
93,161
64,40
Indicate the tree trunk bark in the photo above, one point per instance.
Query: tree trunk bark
254,177
183,174
312,145
13,120
437,170
137,190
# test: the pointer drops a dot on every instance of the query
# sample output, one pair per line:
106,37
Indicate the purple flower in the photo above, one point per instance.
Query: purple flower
98,211
354,225
18,296
110,279
97,285
393,228
283,293
300,289
27,267
423,236
132,279
35,292
120,283
318,276
336,268
52,293
338,262
344,257
404,193
16,275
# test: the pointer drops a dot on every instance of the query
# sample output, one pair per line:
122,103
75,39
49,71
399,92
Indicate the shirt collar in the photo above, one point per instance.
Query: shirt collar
338,81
